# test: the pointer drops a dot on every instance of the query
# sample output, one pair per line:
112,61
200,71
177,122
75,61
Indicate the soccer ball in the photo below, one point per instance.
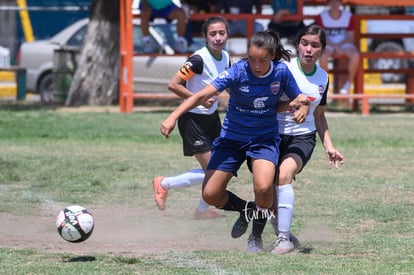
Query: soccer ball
75,223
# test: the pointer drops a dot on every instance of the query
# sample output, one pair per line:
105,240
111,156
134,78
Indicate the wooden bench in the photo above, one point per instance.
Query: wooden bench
359,98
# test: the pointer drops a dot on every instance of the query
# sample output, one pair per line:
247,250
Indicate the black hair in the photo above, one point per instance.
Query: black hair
312,30
270,40
213,20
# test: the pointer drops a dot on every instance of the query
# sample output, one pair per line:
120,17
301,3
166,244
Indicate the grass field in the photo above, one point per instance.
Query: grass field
355,220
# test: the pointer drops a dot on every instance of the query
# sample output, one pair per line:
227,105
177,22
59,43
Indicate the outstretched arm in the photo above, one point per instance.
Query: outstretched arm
335,157
177,86
168,125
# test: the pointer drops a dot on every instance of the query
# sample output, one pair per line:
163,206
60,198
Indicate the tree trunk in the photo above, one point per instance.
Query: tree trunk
96,79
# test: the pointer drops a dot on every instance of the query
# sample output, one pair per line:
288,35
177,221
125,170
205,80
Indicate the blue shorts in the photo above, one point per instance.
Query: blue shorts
301,145
228,155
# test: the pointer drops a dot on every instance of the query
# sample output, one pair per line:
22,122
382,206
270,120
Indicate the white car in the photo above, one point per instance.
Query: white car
389,45
382,45
405,44
151,73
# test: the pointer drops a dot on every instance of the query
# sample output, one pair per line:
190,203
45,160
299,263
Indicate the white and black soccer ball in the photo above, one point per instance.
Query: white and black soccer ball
75,223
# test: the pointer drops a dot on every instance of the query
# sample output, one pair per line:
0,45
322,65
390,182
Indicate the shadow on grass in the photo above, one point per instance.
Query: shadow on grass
305,250
81,259
27,106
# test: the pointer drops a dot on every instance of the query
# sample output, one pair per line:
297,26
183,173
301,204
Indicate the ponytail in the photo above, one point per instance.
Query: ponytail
270,40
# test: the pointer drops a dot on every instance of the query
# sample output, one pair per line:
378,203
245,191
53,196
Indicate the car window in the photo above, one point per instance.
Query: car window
77,39
166,31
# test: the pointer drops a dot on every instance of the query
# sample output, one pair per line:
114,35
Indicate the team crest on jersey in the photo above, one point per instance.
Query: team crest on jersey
244,89
321,90
275,87
223,74
259,103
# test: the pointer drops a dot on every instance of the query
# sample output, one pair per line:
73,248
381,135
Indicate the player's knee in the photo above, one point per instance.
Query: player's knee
209,198
262,191
284,179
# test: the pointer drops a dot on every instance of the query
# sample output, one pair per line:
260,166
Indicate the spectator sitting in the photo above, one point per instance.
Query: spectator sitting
151,9
409,10
239,27
285,29
195,26
339,28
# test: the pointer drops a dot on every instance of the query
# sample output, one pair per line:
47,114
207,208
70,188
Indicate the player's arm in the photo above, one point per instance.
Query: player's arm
185,73
300,102
283,106
301,105
198,98
177,86
334,156
194,65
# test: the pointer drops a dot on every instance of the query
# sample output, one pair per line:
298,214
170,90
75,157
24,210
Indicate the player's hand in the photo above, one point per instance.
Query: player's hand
299,115
335,158
167,126
300,100
209,103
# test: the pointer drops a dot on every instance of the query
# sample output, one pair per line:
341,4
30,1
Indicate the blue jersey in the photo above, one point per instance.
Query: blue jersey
251,112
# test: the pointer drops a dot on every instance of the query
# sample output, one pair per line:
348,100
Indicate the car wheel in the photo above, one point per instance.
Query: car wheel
383,63
46,88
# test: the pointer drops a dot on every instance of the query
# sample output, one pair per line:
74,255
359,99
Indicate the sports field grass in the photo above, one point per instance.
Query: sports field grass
355,220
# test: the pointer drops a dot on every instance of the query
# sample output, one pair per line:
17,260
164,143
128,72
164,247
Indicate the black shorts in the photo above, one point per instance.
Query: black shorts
301,145
198,132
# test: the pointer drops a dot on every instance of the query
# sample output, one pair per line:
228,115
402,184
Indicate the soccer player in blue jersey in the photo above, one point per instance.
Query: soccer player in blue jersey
250,129
298,140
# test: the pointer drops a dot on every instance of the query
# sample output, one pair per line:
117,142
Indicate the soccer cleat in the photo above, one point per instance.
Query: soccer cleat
240,226
208,214
345,88
283,246
181,46
293,239
254,244
148,47
160,194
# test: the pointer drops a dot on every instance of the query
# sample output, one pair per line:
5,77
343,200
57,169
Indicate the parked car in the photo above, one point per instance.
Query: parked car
151,73
381,45
392,45
389,45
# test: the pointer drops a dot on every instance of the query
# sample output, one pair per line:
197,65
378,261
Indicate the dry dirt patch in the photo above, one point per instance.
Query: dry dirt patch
119,230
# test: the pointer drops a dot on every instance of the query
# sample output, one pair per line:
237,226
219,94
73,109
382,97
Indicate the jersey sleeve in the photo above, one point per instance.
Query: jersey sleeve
193,65
224,80
291,87
324,95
